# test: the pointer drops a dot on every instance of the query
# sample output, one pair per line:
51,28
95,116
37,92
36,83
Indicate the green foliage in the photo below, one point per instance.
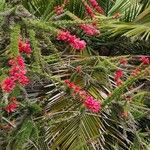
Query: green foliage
22,136
14,41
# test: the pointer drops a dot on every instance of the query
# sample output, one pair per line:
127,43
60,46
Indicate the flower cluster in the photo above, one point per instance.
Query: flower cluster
92,104
145,60
12,106
24,47
117,77
96,6
8,84
89,101
136,72
71,39
17,73
88,10
58,9
89,29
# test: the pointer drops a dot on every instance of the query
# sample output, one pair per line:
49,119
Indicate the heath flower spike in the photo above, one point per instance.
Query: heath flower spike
89,102
71,39
89,29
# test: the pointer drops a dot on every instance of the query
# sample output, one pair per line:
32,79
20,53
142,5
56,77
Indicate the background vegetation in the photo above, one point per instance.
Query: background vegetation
49,115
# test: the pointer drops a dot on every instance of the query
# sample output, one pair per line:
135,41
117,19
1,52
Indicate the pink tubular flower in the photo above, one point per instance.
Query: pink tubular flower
92,104
58,9
145,60
96,6
89,29
24,47
8,85
71,39
11,107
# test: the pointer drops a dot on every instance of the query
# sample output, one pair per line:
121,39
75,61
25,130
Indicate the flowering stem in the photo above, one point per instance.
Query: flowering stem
117,92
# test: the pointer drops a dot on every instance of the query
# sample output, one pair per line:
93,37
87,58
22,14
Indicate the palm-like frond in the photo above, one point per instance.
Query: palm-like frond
138,29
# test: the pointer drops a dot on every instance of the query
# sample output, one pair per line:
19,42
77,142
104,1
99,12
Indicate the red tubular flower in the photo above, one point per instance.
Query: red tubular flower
23,80
118,74
135,72
124,114
77,89
78,69
58,9
24,47
147,72
93,3
92,104
96,6
123,61
89,29
99,9
8,85
118,82
89,10
20,62
63,36
13,71
12,62
67,81
145,60
11,107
